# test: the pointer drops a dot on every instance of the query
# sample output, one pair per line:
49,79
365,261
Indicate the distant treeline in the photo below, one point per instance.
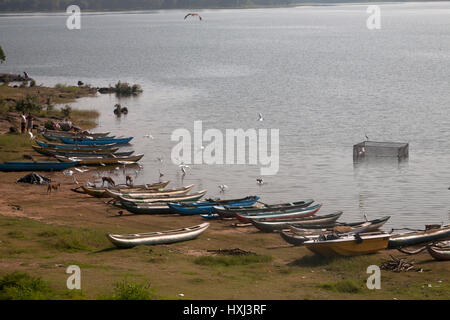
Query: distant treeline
61,5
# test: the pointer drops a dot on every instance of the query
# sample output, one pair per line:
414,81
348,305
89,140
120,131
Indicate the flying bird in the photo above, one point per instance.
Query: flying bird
367,138
148,136
193,15
260,181
260,117
223,187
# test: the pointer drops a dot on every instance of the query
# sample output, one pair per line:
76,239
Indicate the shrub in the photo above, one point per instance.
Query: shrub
29,104
123,88
66,111
21,286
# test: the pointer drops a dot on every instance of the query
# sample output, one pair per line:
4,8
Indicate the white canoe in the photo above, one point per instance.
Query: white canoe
151,238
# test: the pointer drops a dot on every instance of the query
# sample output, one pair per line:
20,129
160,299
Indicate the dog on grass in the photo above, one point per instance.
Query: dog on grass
53,186
129,181
109,180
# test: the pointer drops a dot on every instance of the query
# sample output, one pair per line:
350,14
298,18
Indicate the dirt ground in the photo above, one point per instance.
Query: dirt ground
31,222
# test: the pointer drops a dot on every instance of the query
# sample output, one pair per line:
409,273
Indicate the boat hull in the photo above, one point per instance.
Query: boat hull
419,237
153,238
349,246
89,142
36,166
207,207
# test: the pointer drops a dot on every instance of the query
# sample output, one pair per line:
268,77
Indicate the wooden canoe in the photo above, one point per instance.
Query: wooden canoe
80,153
75,134
350,245
99,160
372,225
51,151
276,225
375,224
75,146
441,253
147,208
89,142
145,194
36,166
299,236
204,207
152,238
101,192
419,237
169,198
299,213
230,212
52,137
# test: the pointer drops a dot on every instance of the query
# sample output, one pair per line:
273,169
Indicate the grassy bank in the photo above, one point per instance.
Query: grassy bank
44,251
41,101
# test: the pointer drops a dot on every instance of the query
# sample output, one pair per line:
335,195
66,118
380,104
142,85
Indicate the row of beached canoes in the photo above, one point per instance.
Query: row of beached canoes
76,149
296,222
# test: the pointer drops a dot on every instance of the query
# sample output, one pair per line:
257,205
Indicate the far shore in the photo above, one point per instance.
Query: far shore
301,4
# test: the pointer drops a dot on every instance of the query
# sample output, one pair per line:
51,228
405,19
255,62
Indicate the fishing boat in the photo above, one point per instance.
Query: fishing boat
100,192
89,142
52,137
75,147
375,224
145,194
79,153
36,166
371,225
75,134
147,208
100,160
418,237
169,198
204,207
276,215
348,245
230,212
280,224
297,236
441,253
152,238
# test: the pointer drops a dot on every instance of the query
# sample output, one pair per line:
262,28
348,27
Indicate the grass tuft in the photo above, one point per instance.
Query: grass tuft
127,290
343,286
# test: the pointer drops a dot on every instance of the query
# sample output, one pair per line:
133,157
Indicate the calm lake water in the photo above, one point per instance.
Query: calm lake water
316,73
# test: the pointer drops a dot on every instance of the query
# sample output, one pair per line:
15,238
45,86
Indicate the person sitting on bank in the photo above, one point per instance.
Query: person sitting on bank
23,122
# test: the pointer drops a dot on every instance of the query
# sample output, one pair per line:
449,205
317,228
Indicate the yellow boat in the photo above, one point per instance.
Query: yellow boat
349,245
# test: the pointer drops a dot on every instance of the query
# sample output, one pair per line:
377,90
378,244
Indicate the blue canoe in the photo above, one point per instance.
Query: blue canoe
36,166
205,207
89,142
72,146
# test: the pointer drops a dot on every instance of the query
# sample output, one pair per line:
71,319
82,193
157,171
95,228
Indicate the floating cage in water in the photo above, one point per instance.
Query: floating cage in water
380,149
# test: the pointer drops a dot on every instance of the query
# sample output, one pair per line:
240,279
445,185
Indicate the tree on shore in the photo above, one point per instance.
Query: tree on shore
2,55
